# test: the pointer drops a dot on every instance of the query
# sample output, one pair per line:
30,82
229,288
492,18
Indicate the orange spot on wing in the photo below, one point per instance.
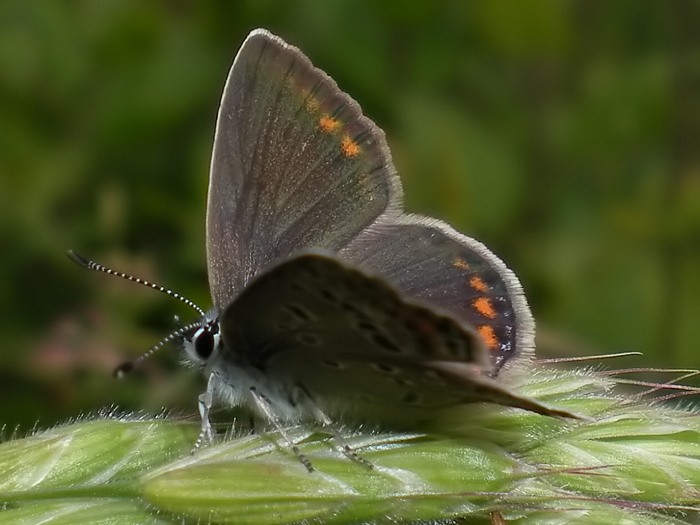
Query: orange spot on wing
478,284
489,336
484,307
460,263
329,124
349,147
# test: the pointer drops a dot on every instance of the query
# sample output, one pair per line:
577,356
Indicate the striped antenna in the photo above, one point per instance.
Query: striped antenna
92,265
126,367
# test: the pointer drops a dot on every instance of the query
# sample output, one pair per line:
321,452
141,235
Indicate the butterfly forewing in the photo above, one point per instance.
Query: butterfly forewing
295,165
428,260
349,341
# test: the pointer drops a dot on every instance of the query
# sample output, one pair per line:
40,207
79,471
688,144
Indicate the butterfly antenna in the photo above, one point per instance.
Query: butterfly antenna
126,367
92,265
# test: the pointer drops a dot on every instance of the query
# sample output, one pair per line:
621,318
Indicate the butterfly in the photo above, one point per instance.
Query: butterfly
329,301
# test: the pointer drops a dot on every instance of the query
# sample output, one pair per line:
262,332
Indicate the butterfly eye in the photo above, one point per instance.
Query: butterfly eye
204,342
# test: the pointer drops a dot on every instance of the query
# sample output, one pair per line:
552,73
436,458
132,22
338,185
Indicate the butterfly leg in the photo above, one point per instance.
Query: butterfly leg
322,418
265,406
205,401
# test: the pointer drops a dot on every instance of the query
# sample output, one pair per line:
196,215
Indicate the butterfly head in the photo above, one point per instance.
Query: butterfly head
202,342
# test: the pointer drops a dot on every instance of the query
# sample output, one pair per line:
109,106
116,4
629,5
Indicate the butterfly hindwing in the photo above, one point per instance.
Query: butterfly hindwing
429,261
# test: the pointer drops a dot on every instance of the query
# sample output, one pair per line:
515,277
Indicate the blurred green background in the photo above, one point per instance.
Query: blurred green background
563,134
